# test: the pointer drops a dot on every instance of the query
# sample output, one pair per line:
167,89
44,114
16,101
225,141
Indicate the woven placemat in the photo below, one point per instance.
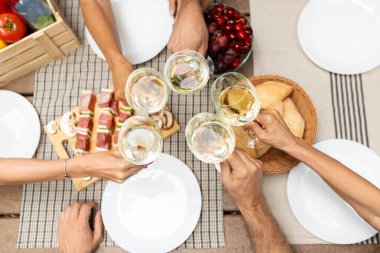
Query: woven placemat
58,87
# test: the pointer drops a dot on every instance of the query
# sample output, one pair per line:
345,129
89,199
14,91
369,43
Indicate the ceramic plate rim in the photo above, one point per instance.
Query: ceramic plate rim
188,175
292,196
323,63
37,124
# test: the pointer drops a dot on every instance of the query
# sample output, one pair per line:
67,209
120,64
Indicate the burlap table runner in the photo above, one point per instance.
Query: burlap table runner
58,87
347,105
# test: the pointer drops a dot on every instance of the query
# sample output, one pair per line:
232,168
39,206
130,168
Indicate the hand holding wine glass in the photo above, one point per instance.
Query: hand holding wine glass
269,127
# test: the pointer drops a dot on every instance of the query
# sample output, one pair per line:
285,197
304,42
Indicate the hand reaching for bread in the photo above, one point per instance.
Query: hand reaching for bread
270,128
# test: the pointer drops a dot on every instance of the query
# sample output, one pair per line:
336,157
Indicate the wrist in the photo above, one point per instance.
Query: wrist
117,60
194,5
295,147
251,204
77,167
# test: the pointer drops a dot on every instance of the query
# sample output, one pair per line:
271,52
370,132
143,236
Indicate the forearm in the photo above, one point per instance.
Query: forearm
265,233
100,21
22,171
357,191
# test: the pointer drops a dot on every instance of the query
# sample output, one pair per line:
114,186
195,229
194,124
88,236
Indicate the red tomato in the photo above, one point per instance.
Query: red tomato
4,7
12,28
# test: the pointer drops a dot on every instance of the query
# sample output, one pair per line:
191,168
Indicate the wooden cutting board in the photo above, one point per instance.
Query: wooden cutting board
59,139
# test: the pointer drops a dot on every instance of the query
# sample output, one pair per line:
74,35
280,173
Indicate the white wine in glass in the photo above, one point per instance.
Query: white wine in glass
209,139
186,72
140,142
235,99
146,91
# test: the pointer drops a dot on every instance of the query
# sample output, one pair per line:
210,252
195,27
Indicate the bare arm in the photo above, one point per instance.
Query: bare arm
363,196
357,191
100,21
242,176
264,230
109,165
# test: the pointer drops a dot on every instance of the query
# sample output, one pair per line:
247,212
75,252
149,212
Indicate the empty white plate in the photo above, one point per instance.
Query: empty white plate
341,36
155,214
318,208
19,126
144,28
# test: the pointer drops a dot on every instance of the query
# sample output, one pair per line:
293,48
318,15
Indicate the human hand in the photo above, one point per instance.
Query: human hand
110,165
189,29
269,127
121,68
242,176
74,232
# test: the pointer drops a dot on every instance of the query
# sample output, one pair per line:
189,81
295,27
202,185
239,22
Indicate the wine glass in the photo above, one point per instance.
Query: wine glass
186,72
146,91
236,101
209,138
140,142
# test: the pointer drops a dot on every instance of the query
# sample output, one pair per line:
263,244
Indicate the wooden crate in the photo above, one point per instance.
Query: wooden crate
37,49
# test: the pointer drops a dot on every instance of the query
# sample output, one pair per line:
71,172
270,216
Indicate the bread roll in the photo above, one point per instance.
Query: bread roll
271,92
293,118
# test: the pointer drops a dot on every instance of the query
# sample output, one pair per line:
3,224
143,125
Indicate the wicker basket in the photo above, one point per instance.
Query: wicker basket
37,49
276,161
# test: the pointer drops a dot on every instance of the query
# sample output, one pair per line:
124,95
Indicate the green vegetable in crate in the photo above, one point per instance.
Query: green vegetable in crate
12,28
36,12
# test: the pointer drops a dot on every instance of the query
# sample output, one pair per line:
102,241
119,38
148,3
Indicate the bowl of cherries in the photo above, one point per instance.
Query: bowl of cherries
230,38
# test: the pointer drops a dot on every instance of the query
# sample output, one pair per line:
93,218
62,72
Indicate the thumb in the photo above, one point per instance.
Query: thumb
172,7
98,228
225,172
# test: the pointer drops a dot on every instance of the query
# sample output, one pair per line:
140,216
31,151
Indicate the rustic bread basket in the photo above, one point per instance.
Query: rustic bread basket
276,161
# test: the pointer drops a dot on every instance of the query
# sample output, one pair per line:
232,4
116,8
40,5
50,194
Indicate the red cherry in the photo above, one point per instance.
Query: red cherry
220,66
237,46
228,28
223,42
219,8
231,36
247,40
237,15
221,21
236,63
241,35
213,47
230,12
227,58
212,27
231,52
248,31
231,21
239,26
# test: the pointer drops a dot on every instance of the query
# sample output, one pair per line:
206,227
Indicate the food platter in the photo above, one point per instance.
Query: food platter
62,143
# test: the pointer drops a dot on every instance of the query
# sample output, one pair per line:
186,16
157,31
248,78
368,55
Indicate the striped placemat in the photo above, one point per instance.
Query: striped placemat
57,90
347,105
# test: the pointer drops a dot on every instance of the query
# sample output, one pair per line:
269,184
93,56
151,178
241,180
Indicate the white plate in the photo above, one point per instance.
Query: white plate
156,214
341,36
19,126
144,28
318,208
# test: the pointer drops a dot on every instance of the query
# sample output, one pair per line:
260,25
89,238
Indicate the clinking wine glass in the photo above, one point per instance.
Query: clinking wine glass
210,139
146,91
236,101
140,142
186,72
